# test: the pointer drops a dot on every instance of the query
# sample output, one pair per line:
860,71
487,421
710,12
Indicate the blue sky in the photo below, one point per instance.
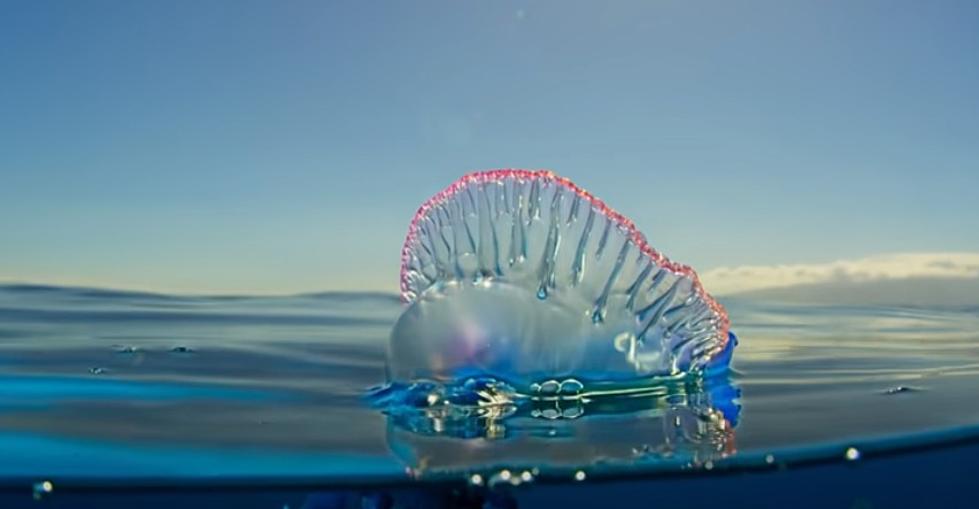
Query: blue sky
276,147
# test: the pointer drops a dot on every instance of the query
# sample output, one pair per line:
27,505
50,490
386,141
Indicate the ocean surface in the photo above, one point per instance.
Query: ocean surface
136,399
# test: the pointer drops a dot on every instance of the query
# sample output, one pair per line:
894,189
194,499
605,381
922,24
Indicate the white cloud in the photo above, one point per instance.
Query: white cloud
728,280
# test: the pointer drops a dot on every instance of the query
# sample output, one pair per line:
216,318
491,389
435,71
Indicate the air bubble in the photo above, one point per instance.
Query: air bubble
549,388
571,387
852,454
580,476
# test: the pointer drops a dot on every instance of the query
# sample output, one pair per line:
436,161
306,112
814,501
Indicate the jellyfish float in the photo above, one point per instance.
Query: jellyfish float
528,300
525,279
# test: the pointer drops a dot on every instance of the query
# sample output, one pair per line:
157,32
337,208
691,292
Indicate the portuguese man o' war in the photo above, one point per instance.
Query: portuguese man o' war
522,276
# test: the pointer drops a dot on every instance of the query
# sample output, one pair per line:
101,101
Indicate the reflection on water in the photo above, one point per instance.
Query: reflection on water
481,424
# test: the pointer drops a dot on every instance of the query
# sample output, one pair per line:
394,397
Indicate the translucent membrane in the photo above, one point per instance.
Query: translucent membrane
525,276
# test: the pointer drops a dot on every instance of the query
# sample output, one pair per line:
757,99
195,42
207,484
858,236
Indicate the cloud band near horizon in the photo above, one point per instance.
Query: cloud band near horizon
732,280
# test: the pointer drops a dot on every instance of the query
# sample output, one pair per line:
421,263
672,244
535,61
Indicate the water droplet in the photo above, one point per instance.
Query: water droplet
852,454
580,475
900,389
42,488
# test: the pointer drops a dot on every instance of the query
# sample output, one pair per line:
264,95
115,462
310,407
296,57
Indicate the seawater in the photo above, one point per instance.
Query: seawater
106,392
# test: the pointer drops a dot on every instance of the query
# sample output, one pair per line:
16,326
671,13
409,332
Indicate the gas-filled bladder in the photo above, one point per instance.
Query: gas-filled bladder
524,277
